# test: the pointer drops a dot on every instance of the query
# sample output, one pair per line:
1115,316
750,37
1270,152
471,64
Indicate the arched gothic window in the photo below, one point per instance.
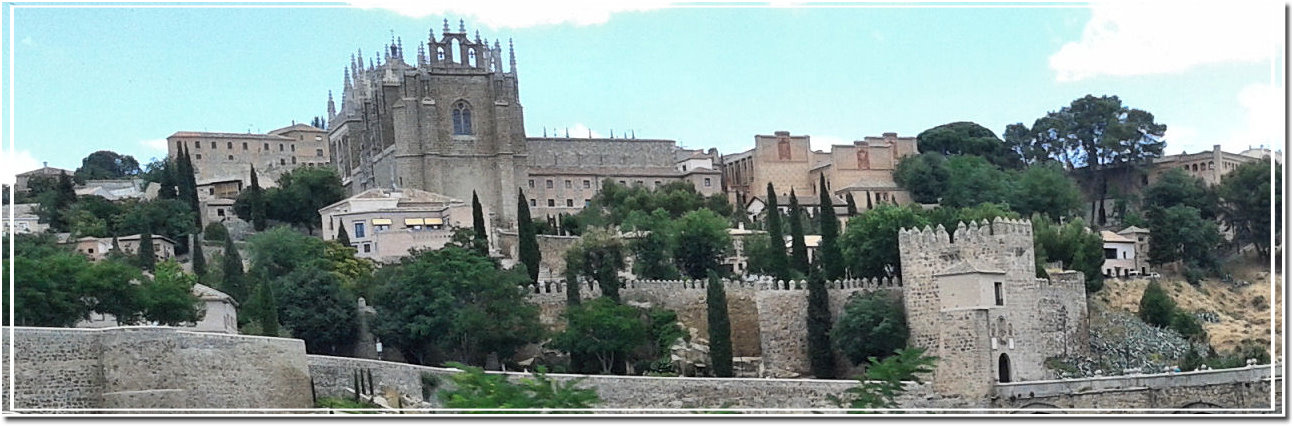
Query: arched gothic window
462,118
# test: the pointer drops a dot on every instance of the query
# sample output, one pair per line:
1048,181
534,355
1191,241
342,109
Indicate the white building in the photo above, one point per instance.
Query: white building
24,220
219,314
1120,255
384,224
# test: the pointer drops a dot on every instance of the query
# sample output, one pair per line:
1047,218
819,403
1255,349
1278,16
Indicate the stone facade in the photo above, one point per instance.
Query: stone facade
140,368
1207,165
230,156
973,301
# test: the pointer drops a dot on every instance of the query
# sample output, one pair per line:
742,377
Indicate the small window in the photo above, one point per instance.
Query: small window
997,293
213,144
318,152
197,144
294,147
197,156
462,115
359,229
220,212
551,203
549,184
707,182
90,251
231,158
280,147
570,202
586,203
367,248
1111,253
244,146
532,183
267,146
568,184
229,145
622,182
532,202
283,162
294,160
211,191
656,183
587,184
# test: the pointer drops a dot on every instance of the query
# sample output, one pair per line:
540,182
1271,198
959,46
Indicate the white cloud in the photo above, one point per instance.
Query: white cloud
824,142
13,163
1126,38
1182,138
1264,122
155,144
515,14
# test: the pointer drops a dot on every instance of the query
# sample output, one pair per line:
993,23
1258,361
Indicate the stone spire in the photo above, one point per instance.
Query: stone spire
461,29
512,58
478,36
346,79
422,55
446,29
399,48
332,108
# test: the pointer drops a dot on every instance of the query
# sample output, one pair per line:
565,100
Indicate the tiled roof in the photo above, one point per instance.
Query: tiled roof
1111,237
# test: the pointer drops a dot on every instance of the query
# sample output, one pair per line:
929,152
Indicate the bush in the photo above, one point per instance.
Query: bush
1156,308
473,388
215,231
1187,325
872,325
1193,275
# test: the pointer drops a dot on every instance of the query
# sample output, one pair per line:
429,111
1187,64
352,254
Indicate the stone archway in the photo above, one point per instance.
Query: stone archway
1004,369
1198,407
1039,408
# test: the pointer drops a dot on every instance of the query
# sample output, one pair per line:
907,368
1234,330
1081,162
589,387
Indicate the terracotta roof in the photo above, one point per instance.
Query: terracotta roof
969,267
1133,230
1111,237
207,293
46,171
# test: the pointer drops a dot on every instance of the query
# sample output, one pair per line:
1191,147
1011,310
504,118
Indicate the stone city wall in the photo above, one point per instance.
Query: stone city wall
1200,391
155,367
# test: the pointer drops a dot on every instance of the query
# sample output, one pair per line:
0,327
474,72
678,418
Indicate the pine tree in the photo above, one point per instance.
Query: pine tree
481,241
527,242
716,304
799,253
777,261
232,266
267,312
146,251
821,360
853,208
833,264
343,237
257,200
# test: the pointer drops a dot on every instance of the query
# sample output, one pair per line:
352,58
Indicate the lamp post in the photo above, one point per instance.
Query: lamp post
379,348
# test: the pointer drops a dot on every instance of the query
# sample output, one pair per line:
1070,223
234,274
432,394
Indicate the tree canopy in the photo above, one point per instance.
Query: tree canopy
870,242
964,137
106,165
872,325
1247,204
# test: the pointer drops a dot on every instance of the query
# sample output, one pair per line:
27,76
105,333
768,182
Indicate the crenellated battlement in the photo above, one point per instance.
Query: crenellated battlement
965,233
589,290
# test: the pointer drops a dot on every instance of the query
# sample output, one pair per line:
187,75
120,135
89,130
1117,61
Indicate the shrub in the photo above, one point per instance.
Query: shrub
473,388
1193,275
1156,307
872,325
1187,325
215,231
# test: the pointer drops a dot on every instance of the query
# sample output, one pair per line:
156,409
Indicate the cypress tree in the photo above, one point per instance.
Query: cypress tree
146,252
821,360
199,260
343,237
267,310
777,261
869,202
257,200
716,307
168,189
799,253
833,264
481,241
232,267
527,242
64,197
849,200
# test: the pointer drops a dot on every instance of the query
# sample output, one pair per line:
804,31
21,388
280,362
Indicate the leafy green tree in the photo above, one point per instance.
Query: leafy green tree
453,304
1096,134
651,248
778,264
833,265
967,138
266,309
615,202
44,296
1156,307
473,388
215,231
1247,206
301,193
279,251
1177,188
604,328
234,282
799,252
950,217
871,240
599,257
169,298
700,241
315,308
1044,188
872,325
1187,325
161,171
527,241
55,203
1072,244
107,165
1180,233
821,358
757,252
924,176
480,237
973,180
716,309
113,288
882,384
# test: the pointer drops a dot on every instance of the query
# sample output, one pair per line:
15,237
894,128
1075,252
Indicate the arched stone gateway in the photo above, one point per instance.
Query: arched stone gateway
1198,407
1039,408
1003,369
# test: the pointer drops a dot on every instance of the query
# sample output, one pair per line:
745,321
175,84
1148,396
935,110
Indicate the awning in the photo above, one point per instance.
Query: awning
381,221
409,222
435,221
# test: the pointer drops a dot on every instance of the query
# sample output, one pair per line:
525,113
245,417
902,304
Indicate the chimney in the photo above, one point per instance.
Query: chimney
44,163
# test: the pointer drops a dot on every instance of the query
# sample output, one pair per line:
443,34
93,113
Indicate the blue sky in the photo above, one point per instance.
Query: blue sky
124,78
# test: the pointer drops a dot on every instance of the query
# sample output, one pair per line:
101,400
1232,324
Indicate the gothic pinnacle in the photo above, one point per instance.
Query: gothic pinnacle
478,36
446,29
461,28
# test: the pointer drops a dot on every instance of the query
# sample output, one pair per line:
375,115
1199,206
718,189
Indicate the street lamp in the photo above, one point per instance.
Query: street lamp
379,348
